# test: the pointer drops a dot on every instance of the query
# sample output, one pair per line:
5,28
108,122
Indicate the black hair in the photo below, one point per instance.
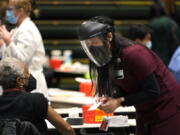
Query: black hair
138,31
2,13
157,9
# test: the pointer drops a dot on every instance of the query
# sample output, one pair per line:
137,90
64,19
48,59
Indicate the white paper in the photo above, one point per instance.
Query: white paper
119,120
73,112
95,106
1,90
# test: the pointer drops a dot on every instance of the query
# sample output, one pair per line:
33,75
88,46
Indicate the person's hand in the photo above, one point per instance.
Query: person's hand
109,105
5,35
101,99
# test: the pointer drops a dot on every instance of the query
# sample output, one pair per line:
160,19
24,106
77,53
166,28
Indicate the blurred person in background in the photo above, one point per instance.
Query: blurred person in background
141,34
2,12
157,9
24,42
35,11
126,74
174,64
169,7
2,18
164,28
16,103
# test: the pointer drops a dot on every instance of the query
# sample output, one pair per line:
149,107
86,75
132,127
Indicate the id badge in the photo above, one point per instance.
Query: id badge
104,124
120,74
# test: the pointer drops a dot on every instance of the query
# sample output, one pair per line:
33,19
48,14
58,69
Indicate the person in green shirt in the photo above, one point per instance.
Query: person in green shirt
166,34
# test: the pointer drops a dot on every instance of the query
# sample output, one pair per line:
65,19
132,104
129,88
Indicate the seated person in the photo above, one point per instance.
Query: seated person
141,34
15,103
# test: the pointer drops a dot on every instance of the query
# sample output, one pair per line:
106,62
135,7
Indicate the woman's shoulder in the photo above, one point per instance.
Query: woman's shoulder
135,48
27,24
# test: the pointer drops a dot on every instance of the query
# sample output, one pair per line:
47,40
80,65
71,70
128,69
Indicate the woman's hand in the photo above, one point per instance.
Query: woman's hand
5,35
109,105
101,99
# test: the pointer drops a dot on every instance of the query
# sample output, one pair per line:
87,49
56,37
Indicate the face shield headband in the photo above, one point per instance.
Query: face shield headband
98,50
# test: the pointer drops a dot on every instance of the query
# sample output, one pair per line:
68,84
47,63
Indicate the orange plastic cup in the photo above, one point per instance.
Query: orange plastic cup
94,116
55,63
86,87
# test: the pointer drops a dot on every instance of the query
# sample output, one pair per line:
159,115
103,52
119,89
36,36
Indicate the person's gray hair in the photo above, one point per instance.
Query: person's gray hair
10,69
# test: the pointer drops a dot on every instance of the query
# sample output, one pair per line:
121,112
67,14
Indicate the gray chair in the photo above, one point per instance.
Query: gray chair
17,127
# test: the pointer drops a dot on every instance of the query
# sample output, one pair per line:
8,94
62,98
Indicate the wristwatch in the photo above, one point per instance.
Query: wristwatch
122,99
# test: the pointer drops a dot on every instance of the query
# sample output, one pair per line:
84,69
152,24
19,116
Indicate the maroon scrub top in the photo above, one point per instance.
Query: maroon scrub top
161,115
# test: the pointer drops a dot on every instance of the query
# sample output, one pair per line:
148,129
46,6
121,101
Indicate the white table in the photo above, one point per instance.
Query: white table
76,100
131,122
67,99
79,110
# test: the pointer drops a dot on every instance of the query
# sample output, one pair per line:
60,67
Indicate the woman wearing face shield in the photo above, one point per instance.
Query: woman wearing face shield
131,74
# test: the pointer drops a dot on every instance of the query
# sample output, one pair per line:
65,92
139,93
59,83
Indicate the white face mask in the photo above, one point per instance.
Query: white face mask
149,44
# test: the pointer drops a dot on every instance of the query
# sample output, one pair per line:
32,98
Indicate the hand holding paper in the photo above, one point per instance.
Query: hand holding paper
94,106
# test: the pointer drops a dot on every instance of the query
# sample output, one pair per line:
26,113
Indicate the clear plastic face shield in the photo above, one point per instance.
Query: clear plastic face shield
98,50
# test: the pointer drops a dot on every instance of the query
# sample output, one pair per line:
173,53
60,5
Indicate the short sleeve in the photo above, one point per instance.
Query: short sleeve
174,64
140,61
39,105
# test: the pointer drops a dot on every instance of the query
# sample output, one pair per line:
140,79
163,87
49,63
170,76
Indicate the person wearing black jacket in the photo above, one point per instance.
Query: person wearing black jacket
16,103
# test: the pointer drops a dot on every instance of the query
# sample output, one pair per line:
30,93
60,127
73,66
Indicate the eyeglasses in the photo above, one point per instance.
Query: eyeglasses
12,8
25,78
